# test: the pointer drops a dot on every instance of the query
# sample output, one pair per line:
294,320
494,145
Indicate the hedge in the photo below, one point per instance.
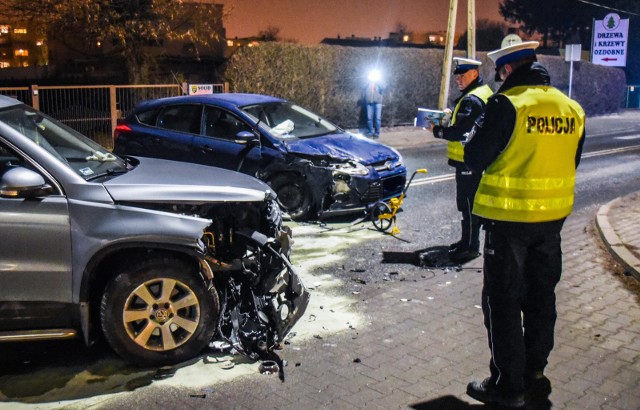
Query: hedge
329,79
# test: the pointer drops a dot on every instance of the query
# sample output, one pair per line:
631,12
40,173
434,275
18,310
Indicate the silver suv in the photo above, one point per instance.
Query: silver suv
160,257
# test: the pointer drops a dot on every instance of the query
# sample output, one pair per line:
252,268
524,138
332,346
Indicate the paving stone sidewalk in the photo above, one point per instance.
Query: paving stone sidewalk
619,226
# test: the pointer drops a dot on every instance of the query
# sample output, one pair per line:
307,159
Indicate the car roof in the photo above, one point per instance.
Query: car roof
224,99
8,101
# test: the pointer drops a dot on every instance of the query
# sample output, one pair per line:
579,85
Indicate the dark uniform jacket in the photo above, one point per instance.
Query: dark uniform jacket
469,114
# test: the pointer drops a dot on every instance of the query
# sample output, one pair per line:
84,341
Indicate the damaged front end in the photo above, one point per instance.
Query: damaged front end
343,186
261,295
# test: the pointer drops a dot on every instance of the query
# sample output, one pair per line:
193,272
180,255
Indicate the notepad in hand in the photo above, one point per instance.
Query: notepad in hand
427,117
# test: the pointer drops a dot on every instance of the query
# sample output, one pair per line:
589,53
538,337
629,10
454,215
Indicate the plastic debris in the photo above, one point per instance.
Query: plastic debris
269,367
227,365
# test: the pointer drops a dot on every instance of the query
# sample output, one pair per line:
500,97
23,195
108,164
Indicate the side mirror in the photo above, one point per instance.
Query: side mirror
21,182
245,137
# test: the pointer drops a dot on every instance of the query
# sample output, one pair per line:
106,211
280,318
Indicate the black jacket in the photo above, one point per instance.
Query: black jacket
491,137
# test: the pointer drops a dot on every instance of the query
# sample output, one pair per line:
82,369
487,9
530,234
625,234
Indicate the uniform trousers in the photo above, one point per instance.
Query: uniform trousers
466,186
522,266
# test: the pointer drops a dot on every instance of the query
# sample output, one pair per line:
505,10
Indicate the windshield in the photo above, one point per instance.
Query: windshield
285,120
87,158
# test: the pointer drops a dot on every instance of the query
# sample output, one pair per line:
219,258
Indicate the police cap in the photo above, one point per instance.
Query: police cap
465,64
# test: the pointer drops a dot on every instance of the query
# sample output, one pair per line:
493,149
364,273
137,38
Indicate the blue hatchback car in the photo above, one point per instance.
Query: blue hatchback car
316,168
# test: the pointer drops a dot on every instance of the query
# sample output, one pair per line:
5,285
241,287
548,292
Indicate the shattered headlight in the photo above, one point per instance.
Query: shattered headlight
350,168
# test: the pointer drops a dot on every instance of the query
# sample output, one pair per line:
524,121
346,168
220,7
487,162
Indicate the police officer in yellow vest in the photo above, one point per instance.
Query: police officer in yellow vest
468,111
529,147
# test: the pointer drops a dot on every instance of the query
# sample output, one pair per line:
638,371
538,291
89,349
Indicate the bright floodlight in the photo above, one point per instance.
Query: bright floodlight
375,75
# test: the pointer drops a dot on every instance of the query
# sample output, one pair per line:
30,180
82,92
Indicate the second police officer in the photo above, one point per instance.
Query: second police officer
468,111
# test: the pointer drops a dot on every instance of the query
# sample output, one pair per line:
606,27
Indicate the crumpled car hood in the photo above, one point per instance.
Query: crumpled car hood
343,146
156,180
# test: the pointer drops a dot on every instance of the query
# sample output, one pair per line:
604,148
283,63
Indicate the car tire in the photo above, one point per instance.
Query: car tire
294,196
159,312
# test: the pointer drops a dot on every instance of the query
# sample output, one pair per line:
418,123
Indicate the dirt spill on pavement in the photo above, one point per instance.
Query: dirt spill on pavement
85,380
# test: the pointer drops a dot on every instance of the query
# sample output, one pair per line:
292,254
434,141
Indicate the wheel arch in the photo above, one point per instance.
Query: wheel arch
105,265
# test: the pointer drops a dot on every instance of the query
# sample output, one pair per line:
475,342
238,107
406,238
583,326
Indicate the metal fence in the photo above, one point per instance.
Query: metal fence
93,110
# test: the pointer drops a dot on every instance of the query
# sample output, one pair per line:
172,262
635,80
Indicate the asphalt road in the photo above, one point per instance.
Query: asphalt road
336,260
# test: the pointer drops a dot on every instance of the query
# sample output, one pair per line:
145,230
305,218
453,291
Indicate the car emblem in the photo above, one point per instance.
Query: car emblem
162,315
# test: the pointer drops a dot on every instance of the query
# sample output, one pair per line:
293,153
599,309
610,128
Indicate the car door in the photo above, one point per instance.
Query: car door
172,137
35,255
219,146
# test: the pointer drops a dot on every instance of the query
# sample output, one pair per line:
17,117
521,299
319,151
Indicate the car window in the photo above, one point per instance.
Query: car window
86,157
148,117
9,159
222,124
285,120
183,118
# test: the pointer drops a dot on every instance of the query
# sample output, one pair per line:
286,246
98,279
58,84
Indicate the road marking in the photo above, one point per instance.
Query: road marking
433,180
630,137
610,151
450,177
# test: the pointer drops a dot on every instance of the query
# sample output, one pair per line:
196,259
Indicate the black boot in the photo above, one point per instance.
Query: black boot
468,247
487,392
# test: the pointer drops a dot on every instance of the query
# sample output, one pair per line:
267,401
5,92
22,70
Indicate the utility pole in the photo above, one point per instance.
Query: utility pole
448,54
471,29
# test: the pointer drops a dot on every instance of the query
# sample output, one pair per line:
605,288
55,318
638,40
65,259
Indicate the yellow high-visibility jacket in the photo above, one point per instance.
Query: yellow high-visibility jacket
455,150
533,179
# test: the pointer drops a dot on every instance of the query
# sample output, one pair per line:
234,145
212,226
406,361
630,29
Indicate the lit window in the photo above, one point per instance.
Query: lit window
432,38
19,31
229,43
4,29
4,64
405,38
39,43
21,53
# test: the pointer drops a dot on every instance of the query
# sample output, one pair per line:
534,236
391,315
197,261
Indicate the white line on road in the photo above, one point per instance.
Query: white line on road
610,151
449,177
433,180
629,137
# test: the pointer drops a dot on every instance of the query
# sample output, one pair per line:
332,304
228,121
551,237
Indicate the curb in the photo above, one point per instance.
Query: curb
612,241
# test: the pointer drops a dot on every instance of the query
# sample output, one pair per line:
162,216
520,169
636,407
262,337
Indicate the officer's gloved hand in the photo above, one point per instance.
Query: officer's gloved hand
446,120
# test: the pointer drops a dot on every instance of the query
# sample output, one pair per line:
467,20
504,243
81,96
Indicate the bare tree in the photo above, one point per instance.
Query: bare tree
401,27
489,35
128,25
270,33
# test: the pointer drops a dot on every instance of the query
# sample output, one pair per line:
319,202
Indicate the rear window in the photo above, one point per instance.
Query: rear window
149,117
183,118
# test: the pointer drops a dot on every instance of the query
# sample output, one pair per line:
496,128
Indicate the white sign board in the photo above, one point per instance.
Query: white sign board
573,52
510,40
610,41
195,89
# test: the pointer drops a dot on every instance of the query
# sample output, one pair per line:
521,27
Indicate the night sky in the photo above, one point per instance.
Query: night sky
309,21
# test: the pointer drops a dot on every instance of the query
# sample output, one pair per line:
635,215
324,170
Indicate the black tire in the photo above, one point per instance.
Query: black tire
294,196
380,208
148,327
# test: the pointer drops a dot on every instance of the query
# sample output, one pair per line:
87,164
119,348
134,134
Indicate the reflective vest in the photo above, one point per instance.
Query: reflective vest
533,179
455,150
